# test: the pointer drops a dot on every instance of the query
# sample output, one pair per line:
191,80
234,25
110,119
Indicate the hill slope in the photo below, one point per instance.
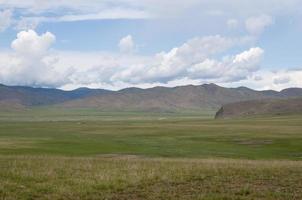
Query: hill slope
28,96
158,99
189,98
260,107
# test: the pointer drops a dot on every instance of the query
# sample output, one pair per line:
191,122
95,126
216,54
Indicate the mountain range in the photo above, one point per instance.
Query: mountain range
163,99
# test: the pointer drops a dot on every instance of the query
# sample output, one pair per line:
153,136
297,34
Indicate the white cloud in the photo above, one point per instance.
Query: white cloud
199,60
96,6
193,60
249,59
78,10
126,44
256,25
32,12
271,80
30,62
5,19
230,69
167,66
159,6
116,13
31,22
282,80
29,43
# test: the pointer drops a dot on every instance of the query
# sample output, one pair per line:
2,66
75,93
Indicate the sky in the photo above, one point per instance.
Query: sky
114,44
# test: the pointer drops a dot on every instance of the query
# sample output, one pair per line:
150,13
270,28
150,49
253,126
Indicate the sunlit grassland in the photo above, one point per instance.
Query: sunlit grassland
156,136
97,155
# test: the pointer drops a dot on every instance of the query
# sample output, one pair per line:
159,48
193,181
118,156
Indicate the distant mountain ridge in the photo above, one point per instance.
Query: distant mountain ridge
189,98
29,96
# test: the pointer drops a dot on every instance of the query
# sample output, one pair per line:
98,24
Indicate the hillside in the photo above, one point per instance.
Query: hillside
157,99
260,107
28,96
189,98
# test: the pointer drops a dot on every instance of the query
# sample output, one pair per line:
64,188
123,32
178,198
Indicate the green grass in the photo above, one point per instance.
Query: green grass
50,113
156,136
91,155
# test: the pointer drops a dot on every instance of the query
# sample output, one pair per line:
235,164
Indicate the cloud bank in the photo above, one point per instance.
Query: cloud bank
31,61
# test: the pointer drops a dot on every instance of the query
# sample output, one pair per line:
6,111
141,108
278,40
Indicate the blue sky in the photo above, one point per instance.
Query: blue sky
124,43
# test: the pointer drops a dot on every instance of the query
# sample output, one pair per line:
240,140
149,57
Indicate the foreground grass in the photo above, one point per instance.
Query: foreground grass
38,177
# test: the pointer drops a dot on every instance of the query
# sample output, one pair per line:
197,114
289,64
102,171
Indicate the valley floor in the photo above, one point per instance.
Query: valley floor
156,156
156,136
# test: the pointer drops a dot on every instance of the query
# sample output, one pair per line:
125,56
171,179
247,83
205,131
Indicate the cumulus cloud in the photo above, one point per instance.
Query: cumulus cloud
193,60
29,43
5,19
166,66
126,44
249,59
30,63
199,60
256,25
231,69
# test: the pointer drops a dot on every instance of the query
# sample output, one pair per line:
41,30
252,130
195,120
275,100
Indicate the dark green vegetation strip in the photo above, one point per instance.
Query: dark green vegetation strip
53,178
156,136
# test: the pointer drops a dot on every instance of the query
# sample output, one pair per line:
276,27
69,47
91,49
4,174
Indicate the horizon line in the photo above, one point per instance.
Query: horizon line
141,88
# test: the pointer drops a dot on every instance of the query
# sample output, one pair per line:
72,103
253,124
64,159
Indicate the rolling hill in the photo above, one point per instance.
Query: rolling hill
28,96
157,99
188,98
265,107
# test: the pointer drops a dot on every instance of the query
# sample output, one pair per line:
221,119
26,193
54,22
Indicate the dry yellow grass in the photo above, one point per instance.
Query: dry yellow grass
131,177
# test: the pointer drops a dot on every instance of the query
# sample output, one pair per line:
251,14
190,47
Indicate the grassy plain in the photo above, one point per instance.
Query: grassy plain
48,177
154,135
92,155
